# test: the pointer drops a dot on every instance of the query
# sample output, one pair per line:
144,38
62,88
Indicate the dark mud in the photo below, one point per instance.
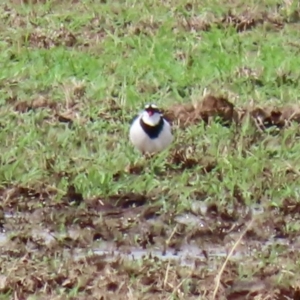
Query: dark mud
212,108
129,237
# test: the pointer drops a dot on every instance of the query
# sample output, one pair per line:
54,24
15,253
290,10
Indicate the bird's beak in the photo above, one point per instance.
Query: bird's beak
150,113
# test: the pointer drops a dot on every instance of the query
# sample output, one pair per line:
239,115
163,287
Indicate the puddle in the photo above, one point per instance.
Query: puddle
3,238
189,254
190,220
197,220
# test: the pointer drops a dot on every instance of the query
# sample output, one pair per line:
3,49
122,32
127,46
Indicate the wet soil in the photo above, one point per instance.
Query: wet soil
128,237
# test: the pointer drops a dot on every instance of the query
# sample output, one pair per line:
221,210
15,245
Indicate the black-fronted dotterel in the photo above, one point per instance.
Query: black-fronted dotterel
149,131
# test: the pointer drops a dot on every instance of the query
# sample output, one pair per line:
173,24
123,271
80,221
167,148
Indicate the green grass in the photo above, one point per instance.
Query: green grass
125,64
134,53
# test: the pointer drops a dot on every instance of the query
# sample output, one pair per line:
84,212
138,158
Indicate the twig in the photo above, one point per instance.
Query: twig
173,232
177,287
167,274
218,277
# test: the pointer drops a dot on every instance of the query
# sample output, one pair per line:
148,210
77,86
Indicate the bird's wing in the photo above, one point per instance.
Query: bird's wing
167,124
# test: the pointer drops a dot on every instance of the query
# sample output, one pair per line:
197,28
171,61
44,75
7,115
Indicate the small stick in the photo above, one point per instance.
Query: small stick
173,232
218,278
167,274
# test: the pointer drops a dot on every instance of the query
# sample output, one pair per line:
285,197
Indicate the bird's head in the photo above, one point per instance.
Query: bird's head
151,115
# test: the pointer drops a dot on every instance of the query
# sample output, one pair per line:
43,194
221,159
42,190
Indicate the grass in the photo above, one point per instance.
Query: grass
73,75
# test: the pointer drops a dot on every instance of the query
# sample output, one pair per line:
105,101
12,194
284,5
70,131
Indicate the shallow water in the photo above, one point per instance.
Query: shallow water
188,255
3,238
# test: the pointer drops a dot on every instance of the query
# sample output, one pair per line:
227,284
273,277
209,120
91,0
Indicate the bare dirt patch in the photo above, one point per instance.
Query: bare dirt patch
241,21
41,38
18,2
65,112
221,109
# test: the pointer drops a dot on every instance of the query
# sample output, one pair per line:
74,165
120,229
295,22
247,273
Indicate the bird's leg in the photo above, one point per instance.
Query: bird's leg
148,155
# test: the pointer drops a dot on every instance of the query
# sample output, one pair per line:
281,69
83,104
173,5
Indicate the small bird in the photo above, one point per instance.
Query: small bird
150,132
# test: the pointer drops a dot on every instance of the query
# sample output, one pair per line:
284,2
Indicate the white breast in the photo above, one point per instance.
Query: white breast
142,141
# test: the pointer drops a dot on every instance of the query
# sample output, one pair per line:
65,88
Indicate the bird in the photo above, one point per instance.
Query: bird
150,132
